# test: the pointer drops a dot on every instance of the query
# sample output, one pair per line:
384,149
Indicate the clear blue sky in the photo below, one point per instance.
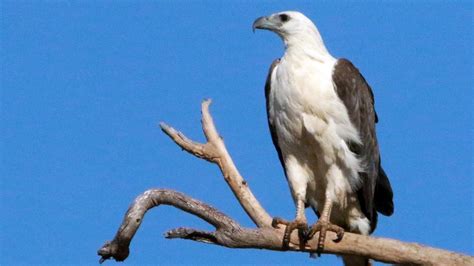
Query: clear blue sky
85,83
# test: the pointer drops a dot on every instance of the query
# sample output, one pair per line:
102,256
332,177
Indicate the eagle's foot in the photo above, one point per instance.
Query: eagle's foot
322,227
299,224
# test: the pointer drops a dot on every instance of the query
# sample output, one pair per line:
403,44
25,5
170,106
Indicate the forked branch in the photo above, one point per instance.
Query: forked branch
215,151
229,233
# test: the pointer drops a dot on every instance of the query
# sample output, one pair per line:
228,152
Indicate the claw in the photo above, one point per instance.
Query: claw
277,220
290,227
303,233
322,227
339,236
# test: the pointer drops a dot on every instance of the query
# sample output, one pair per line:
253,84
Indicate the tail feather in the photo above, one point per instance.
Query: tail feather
383,195
352,260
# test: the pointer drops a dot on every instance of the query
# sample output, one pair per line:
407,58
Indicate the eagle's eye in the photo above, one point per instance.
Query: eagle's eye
284,17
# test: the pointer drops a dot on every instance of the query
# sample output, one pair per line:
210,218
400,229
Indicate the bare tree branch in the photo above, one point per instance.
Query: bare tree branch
215,151
192,234
229,233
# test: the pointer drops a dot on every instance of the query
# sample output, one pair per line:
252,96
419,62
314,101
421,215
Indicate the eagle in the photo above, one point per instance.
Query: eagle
322,120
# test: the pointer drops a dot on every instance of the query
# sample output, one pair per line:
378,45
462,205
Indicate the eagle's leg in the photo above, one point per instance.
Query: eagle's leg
299,223
323,225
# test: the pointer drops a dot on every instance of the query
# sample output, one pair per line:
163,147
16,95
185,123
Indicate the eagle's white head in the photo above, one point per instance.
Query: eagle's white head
295,29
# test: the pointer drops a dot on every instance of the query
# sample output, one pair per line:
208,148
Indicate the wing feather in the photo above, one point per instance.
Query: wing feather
375,193
268,88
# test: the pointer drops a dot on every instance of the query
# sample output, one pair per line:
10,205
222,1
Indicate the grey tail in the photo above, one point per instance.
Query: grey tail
383,195
351,260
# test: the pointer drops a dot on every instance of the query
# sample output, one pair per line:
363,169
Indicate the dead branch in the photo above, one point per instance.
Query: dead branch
215,151
229,233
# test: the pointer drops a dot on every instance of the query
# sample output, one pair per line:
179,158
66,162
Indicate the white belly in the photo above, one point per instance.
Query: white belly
308,117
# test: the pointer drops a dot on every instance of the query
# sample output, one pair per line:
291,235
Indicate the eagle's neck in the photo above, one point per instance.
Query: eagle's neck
307,43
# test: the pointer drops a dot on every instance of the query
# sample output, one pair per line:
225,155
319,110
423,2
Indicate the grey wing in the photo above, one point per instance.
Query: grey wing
268,88
375,193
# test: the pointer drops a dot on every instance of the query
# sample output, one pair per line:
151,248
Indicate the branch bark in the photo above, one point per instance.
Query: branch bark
229,233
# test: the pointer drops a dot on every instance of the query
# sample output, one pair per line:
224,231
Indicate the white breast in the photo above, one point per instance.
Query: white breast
303,87
312,127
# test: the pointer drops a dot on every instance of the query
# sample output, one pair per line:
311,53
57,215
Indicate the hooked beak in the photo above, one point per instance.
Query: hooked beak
263,23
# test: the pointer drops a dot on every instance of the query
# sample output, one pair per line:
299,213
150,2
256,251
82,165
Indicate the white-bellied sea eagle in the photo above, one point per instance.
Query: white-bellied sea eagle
322,121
